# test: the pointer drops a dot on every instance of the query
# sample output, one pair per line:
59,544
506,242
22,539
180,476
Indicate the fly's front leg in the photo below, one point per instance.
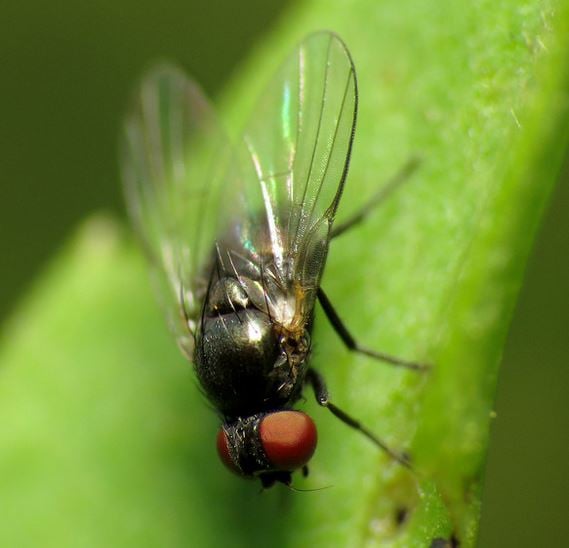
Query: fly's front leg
321,394
354,345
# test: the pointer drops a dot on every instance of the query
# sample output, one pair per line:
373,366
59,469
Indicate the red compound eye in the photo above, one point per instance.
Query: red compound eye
223,452
288,438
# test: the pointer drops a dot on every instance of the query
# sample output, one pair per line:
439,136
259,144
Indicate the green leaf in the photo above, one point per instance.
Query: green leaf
105,439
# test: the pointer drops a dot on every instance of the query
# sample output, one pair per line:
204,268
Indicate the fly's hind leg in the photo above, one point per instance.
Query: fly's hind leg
321,393
354,345
401,177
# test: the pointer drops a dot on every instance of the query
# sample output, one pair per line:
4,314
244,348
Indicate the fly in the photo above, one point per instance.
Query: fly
238,236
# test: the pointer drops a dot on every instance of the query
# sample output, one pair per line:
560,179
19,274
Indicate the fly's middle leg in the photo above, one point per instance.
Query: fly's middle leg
321,393
354,345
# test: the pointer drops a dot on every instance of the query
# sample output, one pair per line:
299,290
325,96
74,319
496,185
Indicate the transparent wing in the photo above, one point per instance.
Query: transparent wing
174,158
298,146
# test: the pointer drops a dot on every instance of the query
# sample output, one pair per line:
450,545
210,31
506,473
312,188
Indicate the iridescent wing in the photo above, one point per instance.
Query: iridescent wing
174,158
297,151
279,192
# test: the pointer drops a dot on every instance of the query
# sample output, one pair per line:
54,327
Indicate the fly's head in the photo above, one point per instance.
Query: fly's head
269,446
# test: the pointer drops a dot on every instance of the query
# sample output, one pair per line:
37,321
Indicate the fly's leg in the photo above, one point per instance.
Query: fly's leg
354,345
396,181
384,192
321,394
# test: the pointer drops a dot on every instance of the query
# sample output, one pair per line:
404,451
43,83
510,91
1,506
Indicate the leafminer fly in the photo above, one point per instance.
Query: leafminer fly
238,235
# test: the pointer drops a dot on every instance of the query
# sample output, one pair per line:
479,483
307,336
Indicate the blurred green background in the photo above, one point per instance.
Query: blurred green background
67,70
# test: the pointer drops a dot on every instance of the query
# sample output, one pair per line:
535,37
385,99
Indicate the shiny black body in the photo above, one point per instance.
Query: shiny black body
245,360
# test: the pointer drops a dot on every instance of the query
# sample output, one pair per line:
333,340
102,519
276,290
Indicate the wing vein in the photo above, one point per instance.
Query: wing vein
313,155
331,149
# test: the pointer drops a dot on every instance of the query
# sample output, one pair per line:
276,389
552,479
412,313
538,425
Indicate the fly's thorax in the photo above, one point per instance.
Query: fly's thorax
295,344
245,360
